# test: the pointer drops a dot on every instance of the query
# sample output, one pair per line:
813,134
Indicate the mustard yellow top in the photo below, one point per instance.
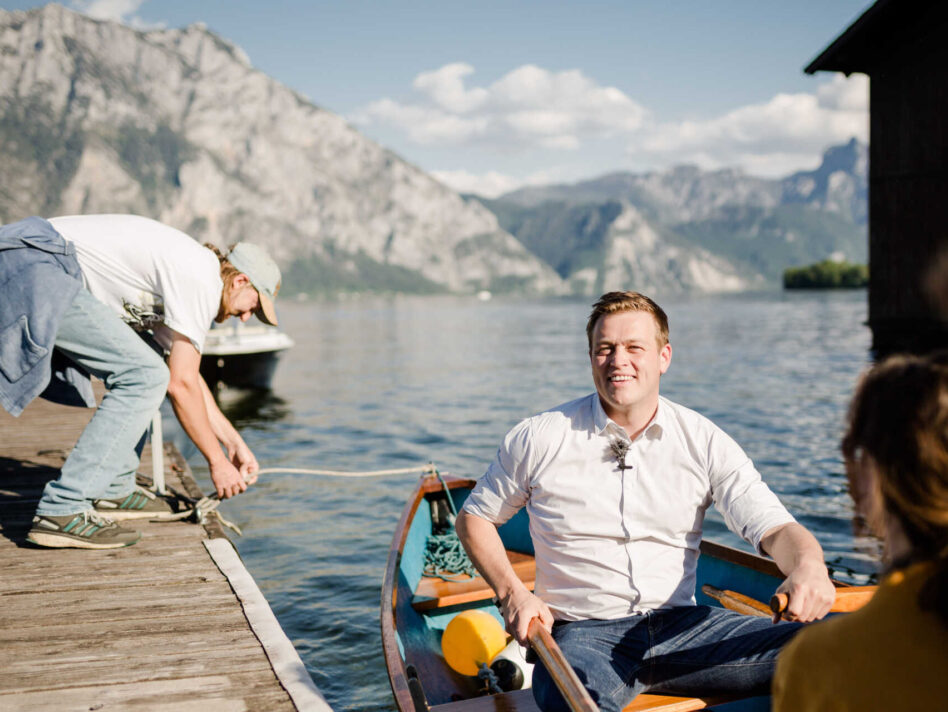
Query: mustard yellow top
888,655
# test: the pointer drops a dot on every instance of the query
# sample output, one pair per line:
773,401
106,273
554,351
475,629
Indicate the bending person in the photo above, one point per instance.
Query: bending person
616,485
892,654
72,288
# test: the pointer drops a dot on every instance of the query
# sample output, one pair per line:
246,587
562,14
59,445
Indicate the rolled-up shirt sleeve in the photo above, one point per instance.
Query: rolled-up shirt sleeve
504,489
749,506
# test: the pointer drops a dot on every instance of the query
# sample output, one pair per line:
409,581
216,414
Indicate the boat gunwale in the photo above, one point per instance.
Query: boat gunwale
393,660
745,559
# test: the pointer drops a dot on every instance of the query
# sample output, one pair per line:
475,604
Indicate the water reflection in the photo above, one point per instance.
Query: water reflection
251,407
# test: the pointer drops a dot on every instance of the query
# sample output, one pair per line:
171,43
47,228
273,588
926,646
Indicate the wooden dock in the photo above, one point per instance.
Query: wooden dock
174,622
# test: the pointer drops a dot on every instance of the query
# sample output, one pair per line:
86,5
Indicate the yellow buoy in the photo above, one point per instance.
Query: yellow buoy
471,639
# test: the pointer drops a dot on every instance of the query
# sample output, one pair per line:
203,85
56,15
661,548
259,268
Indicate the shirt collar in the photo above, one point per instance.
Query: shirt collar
653,431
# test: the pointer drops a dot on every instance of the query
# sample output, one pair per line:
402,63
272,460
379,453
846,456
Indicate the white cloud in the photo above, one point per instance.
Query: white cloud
423,125
493,184
489,185
786,133
445,87
844,94
576,101
528,107
532,109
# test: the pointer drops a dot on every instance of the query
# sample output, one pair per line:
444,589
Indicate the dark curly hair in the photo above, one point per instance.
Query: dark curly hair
899,419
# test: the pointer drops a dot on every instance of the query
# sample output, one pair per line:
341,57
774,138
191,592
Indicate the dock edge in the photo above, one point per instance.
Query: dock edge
284,659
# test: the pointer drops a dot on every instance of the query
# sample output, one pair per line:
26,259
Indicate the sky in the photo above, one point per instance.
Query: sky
489,96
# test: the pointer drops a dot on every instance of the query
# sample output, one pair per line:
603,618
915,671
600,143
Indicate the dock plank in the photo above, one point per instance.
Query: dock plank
156,626
209,693
92,631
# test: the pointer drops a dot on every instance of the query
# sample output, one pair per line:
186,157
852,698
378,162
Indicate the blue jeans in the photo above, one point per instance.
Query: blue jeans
102,464
688,650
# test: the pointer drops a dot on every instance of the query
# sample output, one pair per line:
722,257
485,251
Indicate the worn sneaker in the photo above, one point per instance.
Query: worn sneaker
140,504
87,530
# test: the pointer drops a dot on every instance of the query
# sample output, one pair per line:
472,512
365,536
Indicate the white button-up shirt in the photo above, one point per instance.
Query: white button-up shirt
611,542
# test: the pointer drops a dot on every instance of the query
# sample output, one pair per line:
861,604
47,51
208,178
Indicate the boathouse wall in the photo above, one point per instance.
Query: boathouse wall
901,46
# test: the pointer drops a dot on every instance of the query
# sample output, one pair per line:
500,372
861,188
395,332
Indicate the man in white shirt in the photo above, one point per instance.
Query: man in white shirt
155,279
616,486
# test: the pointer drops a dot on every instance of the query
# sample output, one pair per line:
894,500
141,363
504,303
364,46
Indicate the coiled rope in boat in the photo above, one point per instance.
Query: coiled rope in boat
445,557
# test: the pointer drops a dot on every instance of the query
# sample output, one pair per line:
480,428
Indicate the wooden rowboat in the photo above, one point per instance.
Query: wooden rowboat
416,609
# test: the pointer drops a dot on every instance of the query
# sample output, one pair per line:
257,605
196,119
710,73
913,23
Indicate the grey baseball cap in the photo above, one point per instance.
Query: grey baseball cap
264,275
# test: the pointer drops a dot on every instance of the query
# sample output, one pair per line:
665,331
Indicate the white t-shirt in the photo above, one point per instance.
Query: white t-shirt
152,275
612,542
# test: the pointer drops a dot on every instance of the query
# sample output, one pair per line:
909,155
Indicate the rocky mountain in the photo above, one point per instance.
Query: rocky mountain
177,125
711,230
600,246
840,185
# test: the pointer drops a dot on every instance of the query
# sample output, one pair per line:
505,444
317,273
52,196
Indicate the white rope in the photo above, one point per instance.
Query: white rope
341,473
207,506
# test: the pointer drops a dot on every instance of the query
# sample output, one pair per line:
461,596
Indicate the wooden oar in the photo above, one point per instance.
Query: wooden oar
848,598
576,696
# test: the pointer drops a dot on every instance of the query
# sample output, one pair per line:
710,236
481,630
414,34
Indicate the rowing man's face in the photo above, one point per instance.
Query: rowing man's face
627,363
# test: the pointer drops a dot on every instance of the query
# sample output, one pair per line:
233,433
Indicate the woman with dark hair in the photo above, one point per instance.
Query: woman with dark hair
893,653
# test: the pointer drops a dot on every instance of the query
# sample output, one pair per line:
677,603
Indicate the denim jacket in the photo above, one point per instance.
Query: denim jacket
39,278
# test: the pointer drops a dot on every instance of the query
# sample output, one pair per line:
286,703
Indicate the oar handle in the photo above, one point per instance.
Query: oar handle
779,602
848,598
576,696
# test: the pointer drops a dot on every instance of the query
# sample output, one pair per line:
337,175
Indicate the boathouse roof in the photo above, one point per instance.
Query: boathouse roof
879,33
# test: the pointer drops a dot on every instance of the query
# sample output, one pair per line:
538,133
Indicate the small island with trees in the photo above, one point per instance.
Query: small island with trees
828,274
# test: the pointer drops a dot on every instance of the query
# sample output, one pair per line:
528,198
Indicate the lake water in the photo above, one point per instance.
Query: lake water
386,383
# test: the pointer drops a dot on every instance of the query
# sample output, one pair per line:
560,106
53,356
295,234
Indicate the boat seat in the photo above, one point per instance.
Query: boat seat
433,592
522,701
670,703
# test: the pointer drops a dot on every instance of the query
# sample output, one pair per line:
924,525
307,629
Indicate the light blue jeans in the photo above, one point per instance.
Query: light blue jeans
102,464
688,651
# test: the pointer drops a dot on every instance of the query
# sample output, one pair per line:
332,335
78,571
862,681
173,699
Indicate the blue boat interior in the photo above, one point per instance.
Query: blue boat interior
419,632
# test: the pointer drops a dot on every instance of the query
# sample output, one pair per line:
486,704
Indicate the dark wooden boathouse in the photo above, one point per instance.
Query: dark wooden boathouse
903,46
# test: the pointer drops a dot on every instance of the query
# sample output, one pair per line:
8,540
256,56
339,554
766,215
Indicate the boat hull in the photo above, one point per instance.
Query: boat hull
243,356
415,611
252,370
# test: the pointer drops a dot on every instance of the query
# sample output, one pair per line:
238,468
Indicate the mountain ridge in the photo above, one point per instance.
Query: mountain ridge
744,230
177,125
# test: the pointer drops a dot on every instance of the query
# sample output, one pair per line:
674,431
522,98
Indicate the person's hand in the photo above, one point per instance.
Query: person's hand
810,591
243,459
227,479
519,608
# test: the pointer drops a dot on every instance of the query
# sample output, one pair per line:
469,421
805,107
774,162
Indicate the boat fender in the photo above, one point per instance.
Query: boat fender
471,639
511,668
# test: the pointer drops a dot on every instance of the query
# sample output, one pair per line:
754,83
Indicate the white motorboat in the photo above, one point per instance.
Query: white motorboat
242,355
